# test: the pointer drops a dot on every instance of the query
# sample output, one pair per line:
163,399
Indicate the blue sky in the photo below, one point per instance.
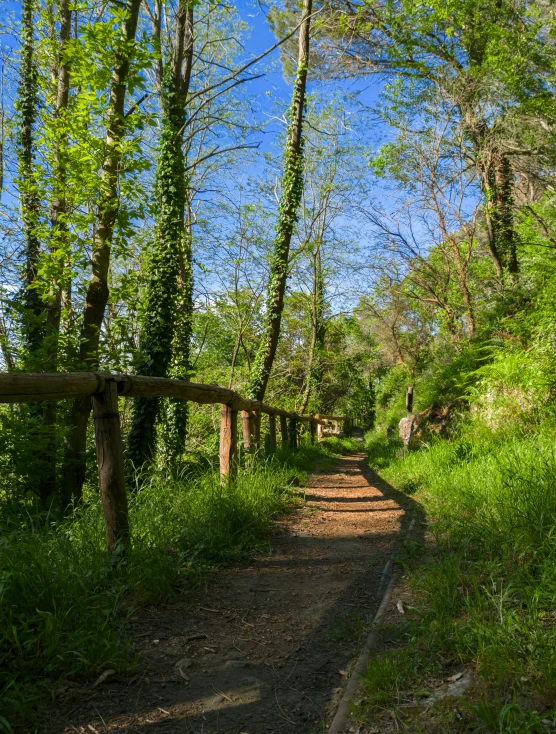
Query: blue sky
261,38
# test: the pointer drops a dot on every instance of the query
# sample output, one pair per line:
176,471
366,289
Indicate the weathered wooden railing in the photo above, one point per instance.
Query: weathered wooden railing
324,420
104,390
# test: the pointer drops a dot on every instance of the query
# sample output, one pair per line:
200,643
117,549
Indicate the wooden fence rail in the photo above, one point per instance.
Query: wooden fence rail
104,389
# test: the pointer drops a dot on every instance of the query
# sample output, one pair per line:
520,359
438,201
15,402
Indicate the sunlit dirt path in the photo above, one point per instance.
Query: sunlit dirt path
263,647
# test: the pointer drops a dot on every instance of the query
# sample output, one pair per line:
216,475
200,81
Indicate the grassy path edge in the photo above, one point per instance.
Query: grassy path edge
479,592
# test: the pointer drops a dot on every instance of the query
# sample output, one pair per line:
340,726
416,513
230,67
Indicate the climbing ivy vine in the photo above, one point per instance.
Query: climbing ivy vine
159,312
287,216
166,327
175,412
32,305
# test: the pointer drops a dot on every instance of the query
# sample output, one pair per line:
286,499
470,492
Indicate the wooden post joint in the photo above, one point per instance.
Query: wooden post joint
101,382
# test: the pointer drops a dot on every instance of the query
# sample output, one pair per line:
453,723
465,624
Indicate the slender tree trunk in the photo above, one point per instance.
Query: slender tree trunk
59,247
468,304
309,373
33,307
463,278
234,358
2,127
313,379
5,347
287,217
59,206
96,297
169,289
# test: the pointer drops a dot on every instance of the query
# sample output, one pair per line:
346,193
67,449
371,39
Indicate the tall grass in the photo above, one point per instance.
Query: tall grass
486,593
64,604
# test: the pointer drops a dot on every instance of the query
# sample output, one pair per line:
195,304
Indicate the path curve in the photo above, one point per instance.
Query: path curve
264,648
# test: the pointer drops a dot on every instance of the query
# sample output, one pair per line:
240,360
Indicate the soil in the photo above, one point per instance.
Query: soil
264,647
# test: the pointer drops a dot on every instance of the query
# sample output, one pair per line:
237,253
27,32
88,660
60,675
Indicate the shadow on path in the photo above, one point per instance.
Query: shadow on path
263,647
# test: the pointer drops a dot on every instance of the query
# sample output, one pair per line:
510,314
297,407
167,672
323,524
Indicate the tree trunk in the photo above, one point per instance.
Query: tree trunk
497,187
96,297
287,217
502,213
5,347
59,205
174,426
166,331
313,377
33,306
59,243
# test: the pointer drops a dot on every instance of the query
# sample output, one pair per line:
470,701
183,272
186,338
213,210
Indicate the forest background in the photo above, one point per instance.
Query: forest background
321,226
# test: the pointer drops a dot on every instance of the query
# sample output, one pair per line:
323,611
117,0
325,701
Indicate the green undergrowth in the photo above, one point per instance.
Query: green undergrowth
334,445
485,587
65,606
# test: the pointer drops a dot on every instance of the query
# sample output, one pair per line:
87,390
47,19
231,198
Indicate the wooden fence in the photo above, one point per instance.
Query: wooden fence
104,390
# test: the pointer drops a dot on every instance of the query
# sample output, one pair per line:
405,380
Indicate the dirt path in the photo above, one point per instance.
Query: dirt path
264,648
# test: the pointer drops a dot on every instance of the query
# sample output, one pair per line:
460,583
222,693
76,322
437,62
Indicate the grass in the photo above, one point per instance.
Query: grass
485,591
65,606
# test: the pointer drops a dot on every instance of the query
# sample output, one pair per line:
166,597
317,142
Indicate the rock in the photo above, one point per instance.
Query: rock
406,428
455,689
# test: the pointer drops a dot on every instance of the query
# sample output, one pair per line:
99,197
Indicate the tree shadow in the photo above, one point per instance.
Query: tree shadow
273,636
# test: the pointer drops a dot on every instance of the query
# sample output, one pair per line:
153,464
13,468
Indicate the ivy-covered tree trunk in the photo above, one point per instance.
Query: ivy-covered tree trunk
313,379
175,412
32,303
96,296
287,216
166,327
501,211
497,187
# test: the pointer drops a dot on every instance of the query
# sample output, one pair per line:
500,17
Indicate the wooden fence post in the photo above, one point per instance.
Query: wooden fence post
246,428
409,399
272,433
293,433
284,430
228,443
320,429
313,431
110,460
